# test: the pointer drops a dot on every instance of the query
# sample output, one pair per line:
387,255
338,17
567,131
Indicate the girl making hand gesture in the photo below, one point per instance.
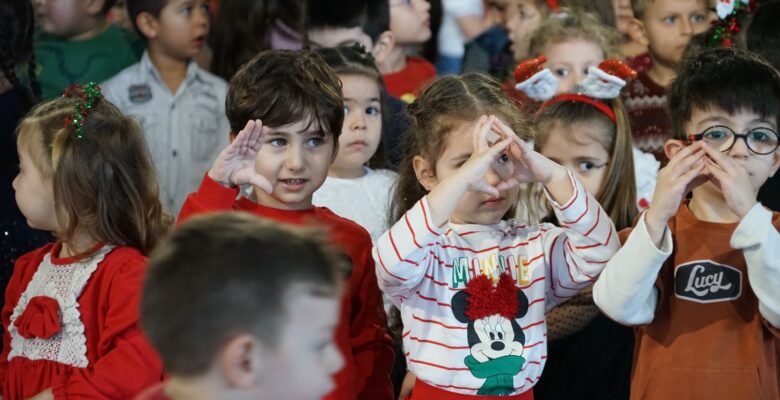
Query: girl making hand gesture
473,284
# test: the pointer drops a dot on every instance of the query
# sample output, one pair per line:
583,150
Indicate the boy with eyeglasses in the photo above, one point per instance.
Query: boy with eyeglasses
700,277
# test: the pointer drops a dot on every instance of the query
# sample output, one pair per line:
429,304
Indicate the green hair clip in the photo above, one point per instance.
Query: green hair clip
88,95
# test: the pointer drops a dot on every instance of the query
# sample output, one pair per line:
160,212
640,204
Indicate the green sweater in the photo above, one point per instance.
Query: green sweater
63,62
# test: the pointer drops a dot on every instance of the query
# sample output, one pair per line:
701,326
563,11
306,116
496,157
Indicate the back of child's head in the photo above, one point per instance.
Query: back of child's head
17,25
282,87
355,61
104,182
763,34
618,190
728,80
243,28
575,25
228,274
442,107
372,16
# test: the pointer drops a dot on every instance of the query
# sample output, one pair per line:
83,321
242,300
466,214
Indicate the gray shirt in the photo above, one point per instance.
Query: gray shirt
184,130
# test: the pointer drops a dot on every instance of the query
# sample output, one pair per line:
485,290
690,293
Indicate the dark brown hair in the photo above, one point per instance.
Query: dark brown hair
442,106
226,274
728,79
243,28
618,191
104,182
283,87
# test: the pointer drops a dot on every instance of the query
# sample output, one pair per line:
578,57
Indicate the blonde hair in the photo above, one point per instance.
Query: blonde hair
441,107
104,183
571,25
617,194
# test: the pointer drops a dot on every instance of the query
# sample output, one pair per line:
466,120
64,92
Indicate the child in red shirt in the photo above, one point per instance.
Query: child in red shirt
71,309
406,75
290,106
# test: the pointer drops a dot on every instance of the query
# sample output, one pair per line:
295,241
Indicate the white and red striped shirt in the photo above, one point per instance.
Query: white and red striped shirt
421,266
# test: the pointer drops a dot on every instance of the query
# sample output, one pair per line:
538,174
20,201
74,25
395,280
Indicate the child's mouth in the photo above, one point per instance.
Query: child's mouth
293,184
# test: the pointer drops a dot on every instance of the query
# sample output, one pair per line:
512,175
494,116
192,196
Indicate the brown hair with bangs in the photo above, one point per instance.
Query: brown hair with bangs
618,191
282,87
442,106
104,183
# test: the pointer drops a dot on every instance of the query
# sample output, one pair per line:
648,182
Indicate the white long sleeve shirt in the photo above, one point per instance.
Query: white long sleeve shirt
421,267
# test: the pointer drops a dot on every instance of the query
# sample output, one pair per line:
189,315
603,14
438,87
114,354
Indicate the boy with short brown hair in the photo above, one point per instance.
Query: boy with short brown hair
286,110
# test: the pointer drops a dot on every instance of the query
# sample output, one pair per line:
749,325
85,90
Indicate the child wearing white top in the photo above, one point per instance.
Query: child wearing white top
353,189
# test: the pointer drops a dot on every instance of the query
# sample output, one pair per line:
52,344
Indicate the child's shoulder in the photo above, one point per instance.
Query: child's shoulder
344,227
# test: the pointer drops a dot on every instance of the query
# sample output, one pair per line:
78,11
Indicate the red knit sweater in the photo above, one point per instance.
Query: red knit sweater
361,333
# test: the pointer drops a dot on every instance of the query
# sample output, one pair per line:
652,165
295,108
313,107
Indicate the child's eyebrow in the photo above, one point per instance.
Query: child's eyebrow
353,99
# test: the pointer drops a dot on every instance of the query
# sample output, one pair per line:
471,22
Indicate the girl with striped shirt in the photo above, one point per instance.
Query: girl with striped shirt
472,284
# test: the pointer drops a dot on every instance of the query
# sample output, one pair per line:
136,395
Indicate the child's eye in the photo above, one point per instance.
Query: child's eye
205,7
670,19
187,10
562,72
315,142
346,109
586,165
277,142
697,18
759,136
503,158
373,110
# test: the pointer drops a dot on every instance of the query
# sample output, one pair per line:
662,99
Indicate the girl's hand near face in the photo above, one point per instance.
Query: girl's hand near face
530,166
235,165
471,175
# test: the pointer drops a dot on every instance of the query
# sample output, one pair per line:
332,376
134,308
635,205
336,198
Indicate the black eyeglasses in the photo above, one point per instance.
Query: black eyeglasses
761,141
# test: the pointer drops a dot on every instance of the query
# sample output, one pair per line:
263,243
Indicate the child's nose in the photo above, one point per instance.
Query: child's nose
686,27
357,121
739,149
294,158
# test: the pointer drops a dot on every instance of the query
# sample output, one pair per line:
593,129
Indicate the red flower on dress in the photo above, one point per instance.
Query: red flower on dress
40,319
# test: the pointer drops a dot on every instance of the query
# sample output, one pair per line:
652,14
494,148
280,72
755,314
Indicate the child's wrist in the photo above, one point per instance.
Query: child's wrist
221,180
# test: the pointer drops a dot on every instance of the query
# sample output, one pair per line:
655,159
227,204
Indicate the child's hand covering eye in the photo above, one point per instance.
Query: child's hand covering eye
473,171
527,165
235,165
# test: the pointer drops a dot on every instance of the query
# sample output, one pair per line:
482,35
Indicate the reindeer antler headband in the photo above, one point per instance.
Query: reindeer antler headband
602,82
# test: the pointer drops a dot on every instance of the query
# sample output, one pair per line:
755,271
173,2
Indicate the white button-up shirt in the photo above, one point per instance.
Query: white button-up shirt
184,130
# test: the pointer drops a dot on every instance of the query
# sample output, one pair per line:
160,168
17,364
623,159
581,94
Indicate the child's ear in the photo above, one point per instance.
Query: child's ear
95,7
672,147
425,172
383,45
239,361
637,32
775,163
147,24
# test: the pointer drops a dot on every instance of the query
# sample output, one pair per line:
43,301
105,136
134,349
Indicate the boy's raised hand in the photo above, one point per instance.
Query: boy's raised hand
235,165
732,179
683,173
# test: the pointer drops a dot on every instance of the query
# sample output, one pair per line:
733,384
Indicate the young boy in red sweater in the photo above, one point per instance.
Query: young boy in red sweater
699,277
285,110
